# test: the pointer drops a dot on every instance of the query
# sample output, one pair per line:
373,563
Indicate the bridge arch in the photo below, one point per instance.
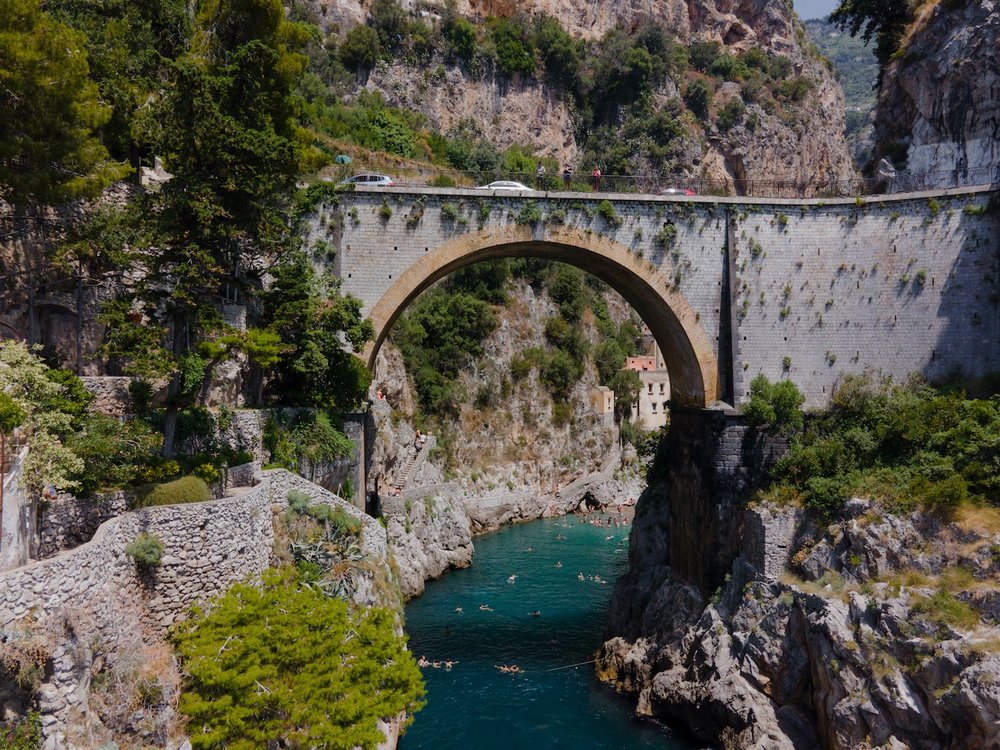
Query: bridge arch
691,362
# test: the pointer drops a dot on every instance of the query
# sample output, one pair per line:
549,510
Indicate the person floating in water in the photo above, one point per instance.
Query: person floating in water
511,578
448,664
536,613
458,609
485,608
422,661
558,563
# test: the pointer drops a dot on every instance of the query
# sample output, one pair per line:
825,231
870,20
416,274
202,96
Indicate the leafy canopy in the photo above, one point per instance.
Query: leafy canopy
282,663
49,110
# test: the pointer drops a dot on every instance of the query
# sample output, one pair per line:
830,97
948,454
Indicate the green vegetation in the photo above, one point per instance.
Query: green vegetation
283,662
301,440
606,210
777,406
441,333
147,551
189,489
289,659
22,735
881,20
903,444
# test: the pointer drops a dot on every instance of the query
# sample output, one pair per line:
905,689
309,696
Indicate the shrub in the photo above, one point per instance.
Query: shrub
699,99
147,551
23,735
442,180
529,213
189,489
328,674
298,501
115,454
385,211
448,211
606,211
11,415
666,237
775,404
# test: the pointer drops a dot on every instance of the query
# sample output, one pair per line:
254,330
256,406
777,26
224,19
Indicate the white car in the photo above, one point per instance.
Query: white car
505,185
369,180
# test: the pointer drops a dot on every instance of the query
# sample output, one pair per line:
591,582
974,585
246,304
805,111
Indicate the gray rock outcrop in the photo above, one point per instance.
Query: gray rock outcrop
939,102
881,633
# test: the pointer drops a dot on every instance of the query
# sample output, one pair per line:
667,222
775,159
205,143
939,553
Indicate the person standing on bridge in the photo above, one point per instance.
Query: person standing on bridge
567,174
540,176
595,179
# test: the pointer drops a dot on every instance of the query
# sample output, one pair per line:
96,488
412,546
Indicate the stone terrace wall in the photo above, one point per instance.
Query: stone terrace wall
97,592
69,521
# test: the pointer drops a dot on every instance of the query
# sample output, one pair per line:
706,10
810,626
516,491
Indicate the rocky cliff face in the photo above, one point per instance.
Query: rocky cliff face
802,143
939,104
880,634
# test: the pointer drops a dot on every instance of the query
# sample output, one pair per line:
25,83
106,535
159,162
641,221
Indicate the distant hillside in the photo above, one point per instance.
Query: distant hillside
857,70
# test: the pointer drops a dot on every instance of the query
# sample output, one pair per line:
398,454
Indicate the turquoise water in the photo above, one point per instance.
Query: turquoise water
474,705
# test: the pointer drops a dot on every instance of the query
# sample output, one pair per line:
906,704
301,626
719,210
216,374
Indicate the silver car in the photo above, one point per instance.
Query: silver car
505,185
369,180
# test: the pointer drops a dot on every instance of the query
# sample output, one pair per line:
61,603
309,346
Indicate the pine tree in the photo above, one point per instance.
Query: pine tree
283,662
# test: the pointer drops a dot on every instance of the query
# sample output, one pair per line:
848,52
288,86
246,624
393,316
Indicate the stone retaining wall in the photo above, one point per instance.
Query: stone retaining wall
90,594
69,521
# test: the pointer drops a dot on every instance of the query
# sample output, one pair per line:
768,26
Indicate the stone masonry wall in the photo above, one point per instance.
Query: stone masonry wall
819,289
69,521
96,589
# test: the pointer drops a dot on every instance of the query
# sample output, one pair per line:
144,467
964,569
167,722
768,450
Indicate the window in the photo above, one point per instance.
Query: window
650,389
654,407
661,389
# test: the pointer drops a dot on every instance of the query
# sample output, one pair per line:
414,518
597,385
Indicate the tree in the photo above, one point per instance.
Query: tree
281,663
129,45
361,48
777,405
45,411
312,321
883,20
226,129
49,111
626,384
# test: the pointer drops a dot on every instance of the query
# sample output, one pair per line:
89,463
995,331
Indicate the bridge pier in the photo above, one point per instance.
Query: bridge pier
715,462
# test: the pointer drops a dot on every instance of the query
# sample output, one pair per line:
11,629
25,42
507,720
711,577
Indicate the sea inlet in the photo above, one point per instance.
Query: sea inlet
536,598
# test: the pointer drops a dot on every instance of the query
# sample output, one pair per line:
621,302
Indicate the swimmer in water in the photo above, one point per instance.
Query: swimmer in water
511,578
579,577
536,613
558,563
458,609
422,661
485,608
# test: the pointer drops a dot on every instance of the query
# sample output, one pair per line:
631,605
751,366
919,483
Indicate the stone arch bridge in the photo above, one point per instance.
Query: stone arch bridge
730,287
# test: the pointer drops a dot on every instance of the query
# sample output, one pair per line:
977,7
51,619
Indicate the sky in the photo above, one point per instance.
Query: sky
814,8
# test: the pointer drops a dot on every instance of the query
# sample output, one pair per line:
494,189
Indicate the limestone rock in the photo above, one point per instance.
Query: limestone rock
779,663
939,102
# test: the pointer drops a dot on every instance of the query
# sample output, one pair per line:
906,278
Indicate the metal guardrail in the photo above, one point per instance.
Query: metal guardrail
680,184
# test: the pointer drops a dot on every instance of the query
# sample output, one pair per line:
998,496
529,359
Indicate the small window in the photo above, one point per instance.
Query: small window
650,389
661,389
654,407
664,406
